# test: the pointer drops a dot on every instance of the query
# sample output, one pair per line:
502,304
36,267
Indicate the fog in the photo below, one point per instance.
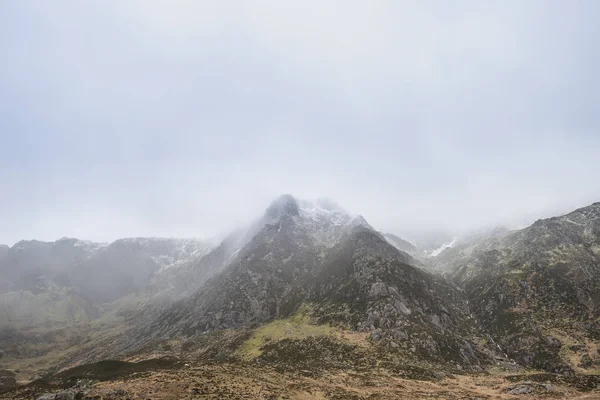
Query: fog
186,118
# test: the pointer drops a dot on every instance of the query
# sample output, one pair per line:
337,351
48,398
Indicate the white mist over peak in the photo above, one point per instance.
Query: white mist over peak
323,218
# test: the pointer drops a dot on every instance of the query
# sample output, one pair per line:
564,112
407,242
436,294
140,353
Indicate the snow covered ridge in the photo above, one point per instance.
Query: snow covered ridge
324,210
185,250
166,252
320,210
326,220
85,245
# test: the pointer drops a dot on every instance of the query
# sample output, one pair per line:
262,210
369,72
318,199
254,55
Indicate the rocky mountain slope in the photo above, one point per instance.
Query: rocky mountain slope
537,290
314,257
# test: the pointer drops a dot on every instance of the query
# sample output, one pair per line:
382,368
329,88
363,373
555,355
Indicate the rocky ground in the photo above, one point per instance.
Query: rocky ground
250,381
293,358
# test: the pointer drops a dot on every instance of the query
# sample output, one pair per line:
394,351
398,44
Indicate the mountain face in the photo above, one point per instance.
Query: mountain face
368,285
537,290
315,255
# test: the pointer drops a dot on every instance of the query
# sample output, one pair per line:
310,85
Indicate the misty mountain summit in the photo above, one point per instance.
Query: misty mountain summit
310,288
285,205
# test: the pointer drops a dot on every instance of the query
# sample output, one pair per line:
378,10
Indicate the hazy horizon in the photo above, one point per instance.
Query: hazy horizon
412,234
186,119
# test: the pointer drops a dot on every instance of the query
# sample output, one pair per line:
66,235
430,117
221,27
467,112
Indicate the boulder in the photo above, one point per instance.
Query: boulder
522,388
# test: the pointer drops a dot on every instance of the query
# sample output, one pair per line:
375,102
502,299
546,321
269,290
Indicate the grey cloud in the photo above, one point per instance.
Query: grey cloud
124,118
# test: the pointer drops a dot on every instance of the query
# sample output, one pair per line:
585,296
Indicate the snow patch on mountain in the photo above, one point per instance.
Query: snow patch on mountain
443,247
89,246
326,220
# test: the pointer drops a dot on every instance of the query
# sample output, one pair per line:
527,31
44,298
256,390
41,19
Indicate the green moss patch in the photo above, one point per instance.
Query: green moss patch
297,326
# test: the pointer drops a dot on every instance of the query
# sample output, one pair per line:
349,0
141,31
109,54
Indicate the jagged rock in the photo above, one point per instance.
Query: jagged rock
399,334
548,387
523,388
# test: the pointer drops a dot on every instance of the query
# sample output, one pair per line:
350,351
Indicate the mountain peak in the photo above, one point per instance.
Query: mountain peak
67,239
285,204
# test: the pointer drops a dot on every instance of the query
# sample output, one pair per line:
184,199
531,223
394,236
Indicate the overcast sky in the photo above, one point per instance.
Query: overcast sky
184,118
